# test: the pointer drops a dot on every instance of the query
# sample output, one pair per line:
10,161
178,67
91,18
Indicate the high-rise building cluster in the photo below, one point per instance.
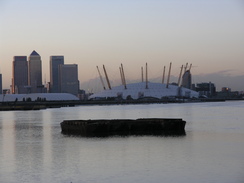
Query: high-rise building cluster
27,75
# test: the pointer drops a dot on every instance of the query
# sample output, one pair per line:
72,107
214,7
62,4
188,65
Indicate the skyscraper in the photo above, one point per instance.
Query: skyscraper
55,61
69,78
186,79
20,75
35,73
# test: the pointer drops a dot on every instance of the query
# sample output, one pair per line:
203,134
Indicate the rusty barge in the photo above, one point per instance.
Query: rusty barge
108,127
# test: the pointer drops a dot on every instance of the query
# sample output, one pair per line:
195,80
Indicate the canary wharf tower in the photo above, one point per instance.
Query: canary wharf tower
35,73
55,61
20,75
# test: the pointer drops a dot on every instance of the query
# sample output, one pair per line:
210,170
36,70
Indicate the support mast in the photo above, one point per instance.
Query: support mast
190,67
186,67
123,74
142,80
106,77
167,86
146,78
163,76
180,75
101,78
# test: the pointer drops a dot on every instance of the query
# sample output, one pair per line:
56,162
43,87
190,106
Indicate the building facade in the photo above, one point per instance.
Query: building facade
206,89
186,79
1,84
69,78
20,75
55,61
35,73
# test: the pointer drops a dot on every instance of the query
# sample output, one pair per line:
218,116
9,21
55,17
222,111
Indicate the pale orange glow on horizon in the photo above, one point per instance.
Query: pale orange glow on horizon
207,34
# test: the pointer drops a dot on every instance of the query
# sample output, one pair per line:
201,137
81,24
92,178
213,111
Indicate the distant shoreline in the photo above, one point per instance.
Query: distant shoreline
36,105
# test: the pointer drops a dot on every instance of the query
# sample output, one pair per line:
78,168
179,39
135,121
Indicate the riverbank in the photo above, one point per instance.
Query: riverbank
38,105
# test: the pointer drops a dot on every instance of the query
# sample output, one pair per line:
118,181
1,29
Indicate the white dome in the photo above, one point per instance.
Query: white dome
137,90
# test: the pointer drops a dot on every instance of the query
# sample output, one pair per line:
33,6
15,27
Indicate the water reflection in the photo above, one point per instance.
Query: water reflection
33,149
8,148
47,146
127,134
29,138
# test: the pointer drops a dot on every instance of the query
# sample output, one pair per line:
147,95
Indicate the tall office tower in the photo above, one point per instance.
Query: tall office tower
69,78
20,75
186,79
1,84
35,73
55,61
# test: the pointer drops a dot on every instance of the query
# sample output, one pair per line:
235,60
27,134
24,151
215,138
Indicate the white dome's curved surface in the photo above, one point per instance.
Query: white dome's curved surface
137,90
35,96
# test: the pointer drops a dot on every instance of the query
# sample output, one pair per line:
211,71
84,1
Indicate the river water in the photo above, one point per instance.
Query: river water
33,149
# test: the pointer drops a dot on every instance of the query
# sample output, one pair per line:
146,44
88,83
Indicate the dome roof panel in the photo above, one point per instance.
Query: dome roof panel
137,90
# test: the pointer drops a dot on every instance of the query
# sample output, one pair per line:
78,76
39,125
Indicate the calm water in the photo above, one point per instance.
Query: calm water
32,149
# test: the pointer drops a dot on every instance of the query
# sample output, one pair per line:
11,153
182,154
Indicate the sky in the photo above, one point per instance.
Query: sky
208,34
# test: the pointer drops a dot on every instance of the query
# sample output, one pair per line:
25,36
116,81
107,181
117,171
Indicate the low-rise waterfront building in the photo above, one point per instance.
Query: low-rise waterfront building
206,89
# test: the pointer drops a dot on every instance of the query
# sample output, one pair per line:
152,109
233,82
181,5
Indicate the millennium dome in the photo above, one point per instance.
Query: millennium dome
144,90
147,89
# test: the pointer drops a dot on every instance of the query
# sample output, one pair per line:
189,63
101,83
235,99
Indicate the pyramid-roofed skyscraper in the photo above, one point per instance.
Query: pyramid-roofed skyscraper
35,73
34,53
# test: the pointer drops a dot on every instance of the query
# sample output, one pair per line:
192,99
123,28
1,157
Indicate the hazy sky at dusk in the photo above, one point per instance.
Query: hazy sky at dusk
209,34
